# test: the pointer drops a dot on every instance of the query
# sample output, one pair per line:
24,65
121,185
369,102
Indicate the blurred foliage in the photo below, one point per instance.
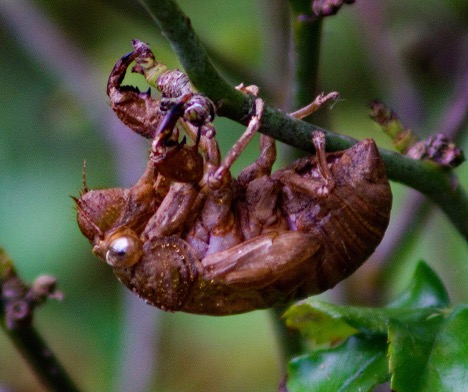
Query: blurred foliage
46,132
416,343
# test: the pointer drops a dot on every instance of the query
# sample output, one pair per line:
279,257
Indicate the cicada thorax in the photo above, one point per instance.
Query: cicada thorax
197,108
349,221
173,85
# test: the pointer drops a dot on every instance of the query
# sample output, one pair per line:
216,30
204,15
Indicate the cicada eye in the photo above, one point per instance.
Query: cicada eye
123,251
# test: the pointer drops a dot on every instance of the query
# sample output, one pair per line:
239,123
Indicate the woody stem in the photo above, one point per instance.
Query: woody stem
24,336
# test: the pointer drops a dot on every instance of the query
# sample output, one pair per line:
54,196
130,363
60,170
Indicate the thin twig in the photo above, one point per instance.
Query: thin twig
276,38
291,343
43,361
307,31
17,302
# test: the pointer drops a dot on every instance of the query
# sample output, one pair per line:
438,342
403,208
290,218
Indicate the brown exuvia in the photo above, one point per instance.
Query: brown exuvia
212,244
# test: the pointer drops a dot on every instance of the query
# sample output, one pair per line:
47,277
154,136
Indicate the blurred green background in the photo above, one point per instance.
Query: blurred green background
54,64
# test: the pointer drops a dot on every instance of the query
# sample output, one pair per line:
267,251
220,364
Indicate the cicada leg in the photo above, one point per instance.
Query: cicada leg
262,165
315,105
318,138
216,179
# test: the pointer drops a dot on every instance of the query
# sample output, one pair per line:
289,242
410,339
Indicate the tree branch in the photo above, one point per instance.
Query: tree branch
17,302
439,185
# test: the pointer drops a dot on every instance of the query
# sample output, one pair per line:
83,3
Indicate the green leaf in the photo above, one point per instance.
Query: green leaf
323,322
425,290
427,344
317,323
358,365
447,365
409,350
430,356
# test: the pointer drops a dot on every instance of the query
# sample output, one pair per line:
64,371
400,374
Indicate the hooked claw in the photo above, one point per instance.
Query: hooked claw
138,110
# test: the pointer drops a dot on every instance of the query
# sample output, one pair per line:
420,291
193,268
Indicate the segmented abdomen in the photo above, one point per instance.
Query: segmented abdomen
348,222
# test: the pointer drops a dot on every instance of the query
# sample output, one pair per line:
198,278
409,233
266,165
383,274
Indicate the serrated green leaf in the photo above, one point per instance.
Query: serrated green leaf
425,290
358,365
409,350
447,365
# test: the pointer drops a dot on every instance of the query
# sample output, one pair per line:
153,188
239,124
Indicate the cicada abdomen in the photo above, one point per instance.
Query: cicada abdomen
349,219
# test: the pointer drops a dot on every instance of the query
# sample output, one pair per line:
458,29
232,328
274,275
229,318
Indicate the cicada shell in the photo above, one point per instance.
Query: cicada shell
190,237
